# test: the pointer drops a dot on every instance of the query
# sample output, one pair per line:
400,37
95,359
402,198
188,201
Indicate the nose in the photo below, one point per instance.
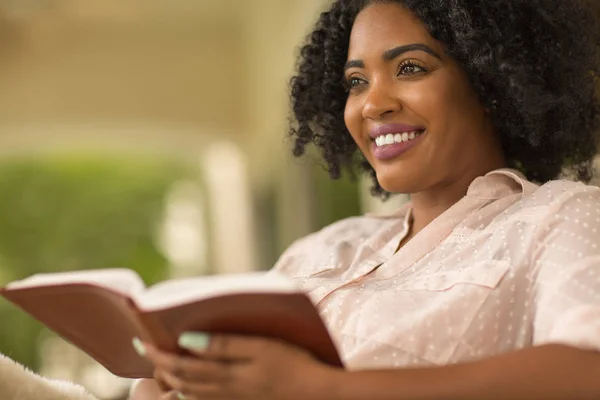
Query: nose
380,101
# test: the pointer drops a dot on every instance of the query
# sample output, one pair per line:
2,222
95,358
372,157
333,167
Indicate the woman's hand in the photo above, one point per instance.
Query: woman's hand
151,389
241,368
172,395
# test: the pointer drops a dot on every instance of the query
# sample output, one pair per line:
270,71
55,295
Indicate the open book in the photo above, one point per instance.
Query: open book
101,311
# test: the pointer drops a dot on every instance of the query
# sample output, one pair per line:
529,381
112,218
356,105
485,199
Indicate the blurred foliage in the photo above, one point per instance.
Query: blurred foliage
77,212
335,199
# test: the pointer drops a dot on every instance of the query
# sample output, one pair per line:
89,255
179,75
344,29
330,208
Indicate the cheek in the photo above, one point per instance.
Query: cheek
453,100
353,119
440,104
429,100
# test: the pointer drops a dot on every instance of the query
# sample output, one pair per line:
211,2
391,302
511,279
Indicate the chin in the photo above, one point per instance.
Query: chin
399,184
404,175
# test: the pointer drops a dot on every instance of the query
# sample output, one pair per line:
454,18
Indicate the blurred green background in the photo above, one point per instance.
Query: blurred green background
75,212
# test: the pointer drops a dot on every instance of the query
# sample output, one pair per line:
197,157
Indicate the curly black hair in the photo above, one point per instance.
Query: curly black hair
533,63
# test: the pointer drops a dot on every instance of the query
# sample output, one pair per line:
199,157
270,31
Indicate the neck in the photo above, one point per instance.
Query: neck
430,204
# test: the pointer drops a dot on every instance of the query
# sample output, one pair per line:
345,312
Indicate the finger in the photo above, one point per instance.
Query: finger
172,395
234,348
162,385
158,378
186,368
191,390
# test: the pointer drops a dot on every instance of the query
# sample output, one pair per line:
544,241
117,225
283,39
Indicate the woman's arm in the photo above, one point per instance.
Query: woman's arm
550,372
272,370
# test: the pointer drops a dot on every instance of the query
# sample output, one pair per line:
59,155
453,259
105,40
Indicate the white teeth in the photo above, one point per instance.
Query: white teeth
390,138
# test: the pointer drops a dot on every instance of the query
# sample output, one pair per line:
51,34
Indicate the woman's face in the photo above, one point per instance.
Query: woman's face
410,108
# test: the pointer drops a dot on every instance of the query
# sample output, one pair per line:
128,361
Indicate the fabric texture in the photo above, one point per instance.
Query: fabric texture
18,383
511,265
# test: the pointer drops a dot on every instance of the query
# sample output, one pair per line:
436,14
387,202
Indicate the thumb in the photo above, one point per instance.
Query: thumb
197,343
222,347
172,395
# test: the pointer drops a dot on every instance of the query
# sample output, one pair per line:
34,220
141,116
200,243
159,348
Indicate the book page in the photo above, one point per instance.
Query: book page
181,291
122,280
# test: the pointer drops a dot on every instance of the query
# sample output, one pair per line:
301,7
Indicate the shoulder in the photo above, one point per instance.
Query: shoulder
571,207
311,250
351,230
562,197
568,225
565,189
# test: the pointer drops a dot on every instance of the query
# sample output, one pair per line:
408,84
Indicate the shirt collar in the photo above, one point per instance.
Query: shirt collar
493,185
500,183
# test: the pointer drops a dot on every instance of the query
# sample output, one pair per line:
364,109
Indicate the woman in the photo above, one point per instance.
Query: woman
485,286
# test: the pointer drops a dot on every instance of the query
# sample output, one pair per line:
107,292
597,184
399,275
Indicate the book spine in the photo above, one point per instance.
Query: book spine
154,332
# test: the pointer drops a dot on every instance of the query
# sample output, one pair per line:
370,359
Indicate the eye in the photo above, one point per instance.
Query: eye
354,82
410,68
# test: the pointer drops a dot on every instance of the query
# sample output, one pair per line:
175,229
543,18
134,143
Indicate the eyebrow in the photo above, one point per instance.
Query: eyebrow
395,52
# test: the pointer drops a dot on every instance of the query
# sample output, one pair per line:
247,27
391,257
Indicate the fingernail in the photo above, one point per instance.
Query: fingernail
194,340
139,346
180,396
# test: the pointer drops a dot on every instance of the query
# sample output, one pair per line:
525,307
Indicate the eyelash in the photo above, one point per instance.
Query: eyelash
349,85
411,63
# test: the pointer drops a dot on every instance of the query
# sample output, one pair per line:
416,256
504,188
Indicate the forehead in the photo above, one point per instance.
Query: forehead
382,26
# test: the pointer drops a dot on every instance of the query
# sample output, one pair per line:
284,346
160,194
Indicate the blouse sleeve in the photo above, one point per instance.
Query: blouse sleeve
567,272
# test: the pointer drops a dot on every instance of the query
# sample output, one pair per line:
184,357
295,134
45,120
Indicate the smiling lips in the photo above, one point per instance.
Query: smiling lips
390,141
